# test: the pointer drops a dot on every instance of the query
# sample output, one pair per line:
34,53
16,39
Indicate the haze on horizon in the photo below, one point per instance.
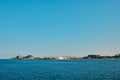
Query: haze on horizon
59,27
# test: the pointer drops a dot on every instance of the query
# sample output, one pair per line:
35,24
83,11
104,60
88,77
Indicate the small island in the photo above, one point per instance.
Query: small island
92,56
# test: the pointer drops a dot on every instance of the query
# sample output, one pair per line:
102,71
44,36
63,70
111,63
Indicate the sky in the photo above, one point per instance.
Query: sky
59,27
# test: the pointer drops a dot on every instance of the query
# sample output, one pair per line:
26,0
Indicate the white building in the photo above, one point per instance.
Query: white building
61,58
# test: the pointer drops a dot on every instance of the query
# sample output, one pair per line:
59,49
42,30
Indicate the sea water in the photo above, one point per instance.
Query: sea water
59,69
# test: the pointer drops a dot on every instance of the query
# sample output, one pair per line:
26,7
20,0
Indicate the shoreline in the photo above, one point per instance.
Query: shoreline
92,56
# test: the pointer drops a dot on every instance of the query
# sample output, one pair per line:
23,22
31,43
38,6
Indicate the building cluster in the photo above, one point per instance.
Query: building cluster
60,57
67,57
47,57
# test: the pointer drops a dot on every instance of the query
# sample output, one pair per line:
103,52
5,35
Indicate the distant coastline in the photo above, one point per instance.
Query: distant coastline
92,56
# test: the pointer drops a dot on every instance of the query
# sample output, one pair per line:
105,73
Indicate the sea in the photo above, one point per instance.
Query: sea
60,69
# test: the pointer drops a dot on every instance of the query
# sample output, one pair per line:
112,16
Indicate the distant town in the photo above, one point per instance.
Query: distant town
93,56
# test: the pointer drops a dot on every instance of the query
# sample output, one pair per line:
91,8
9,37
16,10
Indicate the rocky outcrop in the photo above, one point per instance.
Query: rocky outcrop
18,57
29,57
23,57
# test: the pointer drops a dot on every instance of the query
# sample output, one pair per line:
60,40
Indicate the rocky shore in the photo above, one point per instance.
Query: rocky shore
31,57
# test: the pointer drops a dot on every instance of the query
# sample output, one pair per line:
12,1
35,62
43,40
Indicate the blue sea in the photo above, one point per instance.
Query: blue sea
59,69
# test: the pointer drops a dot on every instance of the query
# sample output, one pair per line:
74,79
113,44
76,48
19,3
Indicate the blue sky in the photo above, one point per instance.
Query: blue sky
59,27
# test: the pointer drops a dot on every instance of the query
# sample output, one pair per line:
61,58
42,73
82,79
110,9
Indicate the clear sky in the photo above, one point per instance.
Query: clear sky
59,27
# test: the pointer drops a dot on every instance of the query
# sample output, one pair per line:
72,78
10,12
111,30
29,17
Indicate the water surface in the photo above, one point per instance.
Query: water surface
59,69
